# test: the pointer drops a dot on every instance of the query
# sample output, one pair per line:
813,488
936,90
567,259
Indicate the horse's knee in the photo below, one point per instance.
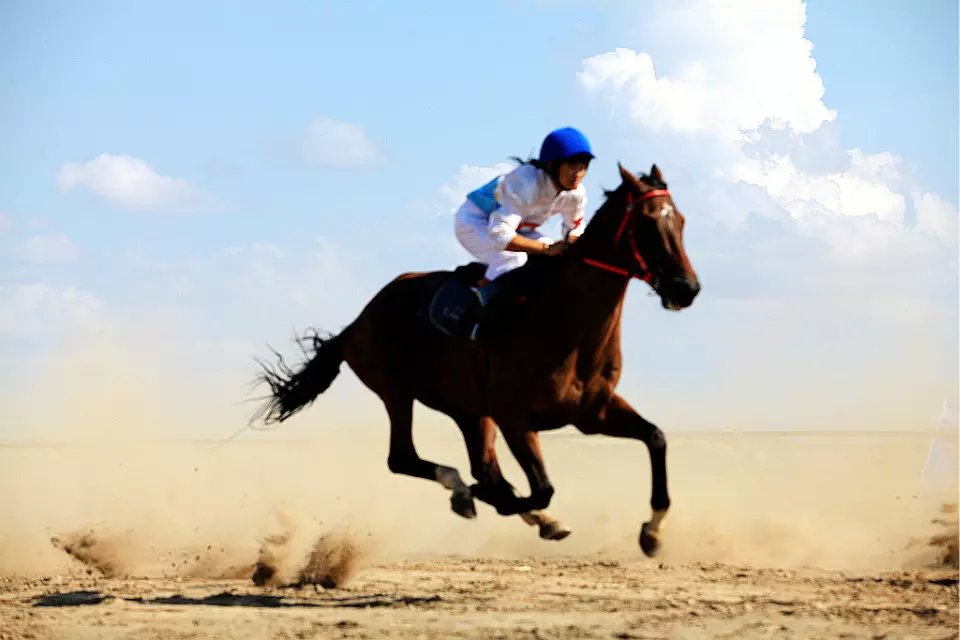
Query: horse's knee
656,440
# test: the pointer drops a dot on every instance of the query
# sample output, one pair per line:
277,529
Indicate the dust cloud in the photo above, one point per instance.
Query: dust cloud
110,489
185,509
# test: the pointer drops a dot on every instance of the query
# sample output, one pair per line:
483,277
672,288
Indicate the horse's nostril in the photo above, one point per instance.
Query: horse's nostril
683,290
688,286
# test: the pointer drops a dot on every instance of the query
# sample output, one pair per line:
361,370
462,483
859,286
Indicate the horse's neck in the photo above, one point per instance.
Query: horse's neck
584,308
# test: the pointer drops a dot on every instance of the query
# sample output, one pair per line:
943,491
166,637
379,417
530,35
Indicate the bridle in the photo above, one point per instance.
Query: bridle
640,269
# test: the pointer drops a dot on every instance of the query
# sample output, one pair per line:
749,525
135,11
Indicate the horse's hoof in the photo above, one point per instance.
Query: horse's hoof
463,506
554,531
649,540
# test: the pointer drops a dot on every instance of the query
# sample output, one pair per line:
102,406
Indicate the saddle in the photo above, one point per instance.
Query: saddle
456,306
459,308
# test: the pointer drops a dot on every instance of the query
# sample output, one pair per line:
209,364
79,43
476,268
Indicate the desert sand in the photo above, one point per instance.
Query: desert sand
790,535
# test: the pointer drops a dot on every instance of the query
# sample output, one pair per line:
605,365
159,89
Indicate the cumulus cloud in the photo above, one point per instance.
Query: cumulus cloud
729,91
937,217
46,249
331,143
863,189
468,178
40,307
743,64
130,183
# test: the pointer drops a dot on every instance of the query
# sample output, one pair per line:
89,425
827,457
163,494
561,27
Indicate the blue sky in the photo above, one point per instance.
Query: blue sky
181,183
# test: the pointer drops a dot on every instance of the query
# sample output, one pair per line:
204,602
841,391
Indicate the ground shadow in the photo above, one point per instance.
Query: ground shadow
227,599
71,599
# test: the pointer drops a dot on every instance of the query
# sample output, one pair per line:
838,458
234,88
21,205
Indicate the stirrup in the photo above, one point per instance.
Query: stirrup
486,293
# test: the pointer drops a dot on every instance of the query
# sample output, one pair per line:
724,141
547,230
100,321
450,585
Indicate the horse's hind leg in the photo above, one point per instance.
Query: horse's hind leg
404,459
479,434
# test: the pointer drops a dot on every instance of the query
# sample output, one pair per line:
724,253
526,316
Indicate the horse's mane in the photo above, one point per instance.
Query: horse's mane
643,177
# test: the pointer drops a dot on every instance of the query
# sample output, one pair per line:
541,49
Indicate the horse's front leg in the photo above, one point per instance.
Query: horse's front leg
618,419
480,435
525,446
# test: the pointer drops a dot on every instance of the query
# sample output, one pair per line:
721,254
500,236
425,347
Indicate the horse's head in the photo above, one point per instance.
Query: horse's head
640,233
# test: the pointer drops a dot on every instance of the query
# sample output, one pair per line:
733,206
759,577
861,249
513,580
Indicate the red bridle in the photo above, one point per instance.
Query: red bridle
642,271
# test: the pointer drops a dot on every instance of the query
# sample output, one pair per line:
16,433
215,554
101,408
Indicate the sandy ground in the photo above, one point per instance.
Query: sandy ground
782,536
487,598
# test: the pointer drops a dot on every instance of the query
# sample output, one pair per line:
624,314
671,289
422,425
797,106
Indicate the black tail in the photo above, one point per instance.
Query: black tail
292,390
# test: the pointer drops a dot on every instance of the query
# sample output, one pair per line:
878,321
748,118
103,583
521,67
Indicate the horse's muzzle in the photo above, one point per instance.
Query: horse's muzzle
678,293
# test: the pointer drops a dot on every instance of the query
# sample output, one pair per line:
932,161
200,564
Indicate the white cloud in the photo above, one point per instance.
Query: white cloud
332,143
728,90
737,65
468,178
47,249
41,307
130,183
936,216
862,189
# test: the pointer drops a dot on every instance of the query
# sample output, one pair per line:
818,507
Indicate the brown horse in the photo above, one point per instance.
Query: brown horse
552,360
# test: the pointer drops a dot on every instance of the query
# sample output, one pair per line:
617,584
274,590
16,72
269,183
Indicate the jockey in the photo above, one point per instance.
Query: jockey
499,222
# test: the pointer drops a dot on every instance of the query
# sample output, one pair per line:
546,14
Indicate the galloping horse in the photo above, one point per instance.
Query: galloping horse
554,360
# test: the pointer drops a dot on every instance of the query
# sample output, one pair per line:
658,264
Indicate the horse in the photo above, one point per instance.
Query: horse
553,360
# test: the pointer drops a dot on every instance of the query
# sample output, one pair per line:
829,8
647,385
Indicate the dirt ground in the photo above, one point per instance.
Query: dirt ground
808,536
488,598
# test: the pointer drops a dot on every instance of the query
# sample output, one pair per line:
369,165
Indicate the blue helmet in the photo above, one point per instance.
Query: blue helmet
564,143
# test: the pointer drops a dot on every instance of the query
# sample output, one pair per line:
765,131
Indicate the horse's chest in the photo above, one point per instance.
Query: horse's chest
596,388
574,387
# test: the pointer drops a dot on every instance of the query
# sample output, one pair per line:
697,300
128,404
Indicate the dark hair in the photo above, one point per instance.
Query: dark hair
551,167
533,162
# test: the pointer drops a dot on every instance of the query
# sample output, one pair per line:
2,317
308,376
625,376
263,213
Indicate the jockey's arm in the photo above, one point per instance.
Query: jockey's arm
526,245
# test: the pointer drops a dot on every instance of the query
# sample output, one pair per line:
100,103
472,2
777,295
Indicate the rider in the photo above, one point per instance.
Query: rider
499,222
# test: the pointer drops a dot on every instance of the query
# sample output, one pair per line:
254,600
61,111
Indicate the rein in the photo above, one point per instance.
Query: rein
642,272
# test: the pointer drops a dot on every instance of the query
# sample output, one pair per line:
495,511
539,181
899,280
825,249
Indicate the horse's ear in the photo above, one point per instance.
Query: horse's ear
655,174
629,178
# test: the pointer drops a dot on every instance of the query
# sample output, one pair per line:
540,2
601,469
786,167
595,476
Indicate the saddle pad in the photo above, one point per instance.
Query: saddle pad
454,309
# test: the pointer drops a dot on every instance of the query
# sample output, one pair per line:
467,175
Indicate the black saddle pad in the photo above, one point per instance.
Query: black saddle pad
455,308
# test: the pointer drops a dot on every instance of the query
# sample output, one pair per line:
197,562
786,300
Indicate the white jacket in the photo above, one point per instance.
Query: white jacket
522,200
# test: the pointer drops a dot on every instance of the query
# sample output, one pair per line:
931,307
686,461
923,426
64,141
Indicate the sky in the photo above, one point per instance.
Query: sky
182,184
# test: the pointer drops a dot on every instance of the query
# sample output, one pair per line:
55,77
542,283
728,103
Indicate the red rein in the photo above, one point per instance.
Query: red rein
642,272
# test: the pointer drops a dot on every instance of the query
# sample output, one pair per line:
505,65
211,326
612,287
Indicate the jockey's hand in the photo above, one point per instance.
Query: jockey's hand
557,248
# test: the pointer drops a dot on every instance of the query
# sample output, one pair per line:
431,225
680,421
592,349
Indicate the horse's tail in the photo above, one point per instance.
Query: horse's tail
292,389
